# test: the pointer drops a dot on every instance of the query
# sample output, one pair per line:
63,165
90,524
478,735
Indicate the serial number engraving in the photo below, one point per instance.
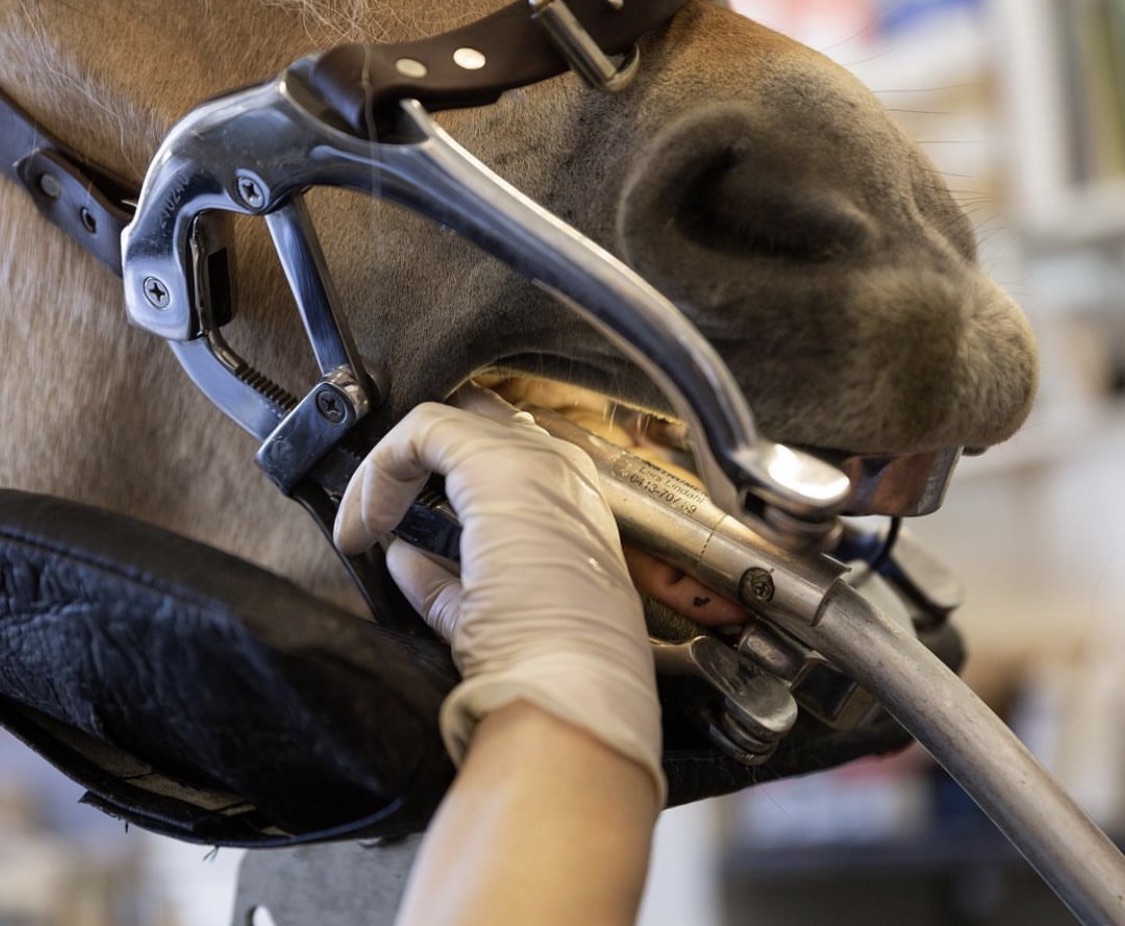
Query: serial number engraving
674,492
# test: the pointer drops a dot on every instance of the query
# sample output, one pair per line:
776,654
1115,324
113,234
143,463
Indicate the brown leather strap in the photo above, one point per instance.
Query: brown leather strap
93,205
86,201
358,80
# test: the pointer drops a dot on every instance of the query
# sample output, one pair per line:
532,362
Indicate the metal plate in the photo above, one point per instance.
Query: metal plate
336,884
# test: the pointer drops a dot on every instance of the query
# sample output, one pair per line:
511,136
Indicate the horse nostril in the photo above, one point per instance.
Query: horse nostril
732,206
721,189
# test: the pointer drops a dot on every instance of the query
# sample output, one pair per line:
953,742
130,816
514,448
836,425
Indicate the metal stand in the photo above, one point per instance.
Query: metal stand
324,885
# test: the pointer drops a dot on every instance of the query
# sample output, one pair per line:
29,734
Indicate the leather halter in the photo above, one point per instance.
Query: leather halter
516,50
516,46
89,203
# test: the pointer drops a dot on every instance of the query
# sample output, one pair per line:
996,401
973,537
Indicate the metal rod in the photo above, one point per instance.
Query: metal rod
808,598
1074,857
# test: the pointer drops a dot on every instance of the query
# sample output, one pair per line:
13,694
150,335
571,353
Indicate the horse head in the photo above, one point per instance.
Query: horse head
768,194
754,182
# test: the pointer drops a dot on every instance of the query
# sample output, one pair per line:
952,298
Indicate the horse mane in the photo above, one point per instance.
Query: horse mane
330,22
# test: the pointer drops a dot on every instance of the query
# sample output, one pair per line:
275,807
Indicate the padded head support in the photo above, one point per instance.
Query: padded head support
199,696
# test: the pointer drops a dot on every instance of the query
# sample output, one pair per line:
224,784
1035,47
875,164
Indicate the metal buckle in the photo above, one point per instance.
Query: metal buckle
587,59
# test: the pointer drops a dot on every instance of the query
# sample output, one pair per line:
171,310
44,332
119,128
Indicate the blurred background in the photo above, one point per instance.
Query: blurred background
1021,104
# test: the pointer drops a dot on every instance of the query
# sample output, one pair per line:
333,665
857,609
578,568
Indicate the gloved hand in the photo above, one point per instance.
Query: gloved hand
543,609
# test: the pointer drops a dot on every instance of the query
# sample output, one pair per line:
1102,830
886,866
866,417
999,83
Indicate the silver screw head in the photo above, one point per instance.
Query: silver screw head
330,406
156,292
759,584
250,191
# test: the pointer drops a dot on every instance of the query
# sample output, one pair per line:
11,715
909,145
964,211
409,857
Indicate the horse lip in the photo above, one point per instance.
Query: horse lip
898,485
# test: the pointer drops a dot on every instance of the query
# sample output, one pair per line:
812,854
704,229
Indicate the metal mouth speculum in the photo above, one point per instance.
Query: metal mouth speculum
178,278
178,285
284,138
175,248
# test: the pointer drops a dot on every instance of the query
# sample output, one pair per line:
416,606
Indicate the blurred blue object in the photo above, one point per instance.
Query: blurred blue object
898,16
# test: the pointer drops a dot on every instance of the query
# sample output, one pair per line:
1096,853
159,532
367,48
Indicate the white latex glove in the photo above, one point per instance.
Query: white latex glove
544,609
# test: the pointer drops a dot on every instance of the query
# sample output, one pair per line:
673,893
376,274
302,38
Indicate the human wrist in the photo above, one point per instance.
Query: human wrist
618,708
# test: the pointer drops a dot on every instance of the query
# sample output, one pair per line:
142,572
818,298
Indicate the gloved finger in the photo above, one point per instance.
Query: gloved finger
368,510
393,474
474,398
432,589
442,439
387,481
481,456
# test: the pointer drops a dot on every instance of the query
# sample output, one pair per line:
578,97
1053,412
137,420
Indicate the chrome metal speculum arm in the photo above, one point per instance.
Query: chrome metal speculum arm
255,152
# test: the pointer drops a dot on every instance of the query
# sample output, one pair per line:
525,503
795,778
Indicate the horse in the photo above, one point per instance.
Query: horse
751,180
755,183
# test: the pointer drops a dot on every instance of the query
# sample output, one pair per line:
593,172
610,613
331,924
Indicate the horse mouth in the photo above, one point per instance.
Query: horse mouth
893,485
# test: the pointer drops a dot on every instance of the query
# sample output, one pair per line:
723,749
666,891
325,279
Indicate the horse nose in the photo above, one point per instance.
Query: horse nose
812,256
720,186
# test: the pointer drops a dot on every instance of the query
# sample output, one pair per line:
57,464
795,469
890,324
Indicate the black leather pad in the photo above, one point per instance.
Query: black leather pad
199,696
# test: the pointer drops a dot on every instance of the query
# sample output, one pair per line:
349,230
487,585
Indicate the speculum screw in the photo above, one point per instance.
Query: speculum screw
156,293
330,406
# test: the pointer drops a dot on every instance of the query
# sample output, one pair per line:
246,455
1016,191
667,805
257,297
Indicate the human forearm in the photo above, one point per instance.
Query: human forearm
556,723
544,824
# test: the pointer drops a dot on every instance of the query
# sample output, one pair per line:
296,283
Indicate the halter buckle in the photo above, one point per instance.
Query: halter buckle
586,58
